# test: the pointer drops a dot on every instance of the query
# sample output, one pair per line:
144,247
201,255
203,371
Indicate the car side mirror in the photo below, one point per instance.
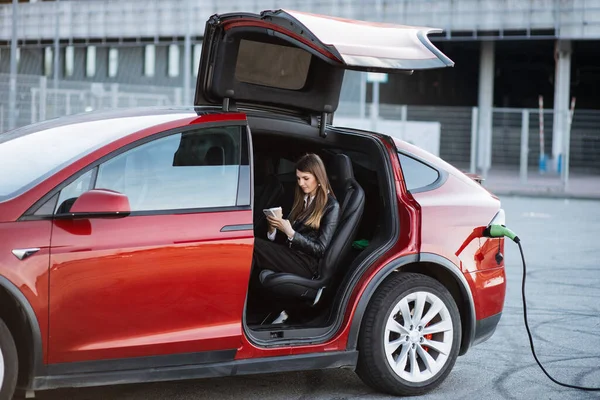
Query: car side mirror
98,203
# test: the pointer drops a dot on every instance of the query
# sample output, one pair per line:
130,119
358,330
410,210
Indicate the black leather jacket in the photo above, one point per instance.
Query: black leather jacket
314,242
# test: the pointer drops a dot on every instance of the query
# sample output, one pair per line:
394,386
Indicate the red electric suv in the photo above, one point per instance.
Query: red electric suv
126,236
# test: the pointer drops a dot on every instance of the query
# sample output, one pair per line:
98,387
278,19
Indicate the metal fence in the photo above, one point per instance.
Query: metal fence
515,149
39,98
516,139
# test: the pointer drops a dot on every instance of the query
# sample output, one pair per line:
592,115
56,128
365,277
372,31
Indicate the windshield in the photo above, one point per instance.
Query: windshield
28,156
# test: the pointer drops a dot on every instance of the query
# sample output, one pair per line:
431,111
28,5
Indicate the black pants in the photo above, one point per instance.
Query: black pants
280,258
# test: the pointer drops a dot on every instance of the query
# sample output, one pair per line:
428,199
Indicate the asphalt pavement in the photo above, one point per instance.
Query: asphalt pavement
560,240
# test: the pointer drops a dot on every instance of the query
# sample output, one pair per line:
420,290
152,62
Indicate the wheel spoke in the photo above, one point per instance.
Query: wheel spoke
429,362
433,311
405,311
392,346
440,347
443,326
402,358
414,366
419,306
394,326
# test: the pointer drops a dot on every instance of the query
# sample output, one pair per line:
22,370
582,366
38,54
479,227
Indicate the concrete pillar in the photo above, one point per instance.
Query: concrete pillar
485,104
562,80
12,91
187,56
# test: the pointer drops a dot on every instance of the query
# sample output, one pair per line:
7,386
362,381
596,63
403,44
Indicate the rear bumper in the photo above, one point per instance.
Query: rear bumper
485,328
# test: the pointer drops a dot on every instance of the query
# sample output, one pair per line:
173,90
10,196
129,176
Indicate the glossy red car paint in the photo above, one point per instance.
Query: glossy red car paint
147,285
101,199
459,210
29,276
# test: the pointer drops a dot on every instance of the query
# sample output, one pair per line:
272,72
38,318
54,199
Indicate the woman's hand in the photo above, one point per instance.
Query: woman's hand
271,229
282,224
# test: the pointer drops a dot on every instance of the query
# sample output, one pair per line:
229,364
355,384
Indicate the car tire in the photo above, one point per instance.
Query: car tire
9,364
408,356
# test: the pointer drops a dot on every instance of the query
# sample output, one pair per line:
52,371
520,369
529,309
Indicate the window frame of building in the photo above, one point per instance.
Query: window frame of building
150,60
113,62
90,61
173,60
48,61
69,61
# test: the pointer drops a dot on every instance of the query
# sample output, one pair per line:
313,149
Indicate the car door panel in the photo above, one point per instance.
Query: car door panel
169,278
148,285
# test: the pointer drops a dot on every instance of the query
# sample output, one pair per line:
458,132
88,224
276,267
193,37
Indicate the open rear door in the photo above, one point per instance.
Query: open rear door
374,47
295,60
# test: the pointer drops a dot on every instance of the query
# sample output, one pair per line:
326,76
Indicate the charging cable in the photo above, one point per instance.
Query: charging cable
498,231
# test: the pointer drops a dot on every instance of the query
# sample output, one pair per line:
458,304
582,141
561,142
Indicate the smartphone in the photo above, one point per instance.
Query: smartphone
274,212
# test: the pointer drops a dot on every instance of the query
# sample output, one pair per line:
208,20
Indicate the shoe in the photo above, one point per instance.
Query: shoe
281,318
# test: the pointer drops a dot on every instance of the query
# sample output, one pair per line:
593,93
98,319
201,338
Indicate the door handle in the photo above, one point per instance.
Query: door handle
233,228
22,254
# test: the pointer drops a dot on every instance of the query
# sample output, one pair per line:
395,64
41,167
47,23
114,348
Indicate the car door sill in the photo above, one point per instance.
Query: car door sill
301,362
133,363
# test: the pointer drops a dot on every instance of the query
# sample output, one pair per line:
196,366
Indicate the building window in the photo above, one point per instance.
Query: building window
197,55
90,62
149,60
69,60
113,62
48,60
173,60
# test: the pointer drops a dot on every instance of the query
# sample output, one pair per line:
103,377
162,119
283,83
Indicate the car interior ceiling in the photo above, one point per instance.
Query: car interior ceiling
275,181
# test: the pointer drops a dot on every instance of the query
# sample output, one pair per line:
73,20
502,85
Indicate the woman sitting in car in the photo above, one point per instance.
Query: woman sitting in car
296,244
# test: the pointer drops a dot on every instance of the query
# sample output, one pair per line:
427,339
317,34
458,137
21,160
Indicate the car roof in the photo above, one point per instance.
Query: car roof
102,115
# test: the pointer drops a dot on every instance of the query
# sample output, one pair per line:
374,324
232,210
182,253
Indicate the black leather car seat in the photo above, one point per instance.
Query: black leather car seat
352,200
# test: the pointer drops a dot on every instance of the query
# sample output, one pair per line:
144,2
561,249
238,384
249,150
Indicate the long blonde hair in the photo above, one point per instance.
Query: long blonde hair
312,164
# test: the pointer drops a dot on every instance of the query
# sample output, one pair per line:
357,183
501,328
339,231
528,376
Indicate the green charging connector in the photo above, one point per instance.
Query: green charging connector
498,231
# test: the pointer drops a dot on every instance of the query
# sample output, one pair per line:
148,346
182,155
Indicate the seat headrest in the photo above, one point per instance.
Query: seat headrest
263,167
341,168
188,153
215,156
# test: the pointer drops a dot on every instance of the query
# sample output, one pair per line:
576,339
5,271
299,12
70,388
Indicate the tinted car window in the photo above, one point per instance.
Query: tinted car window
278,66
197,169
417,174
